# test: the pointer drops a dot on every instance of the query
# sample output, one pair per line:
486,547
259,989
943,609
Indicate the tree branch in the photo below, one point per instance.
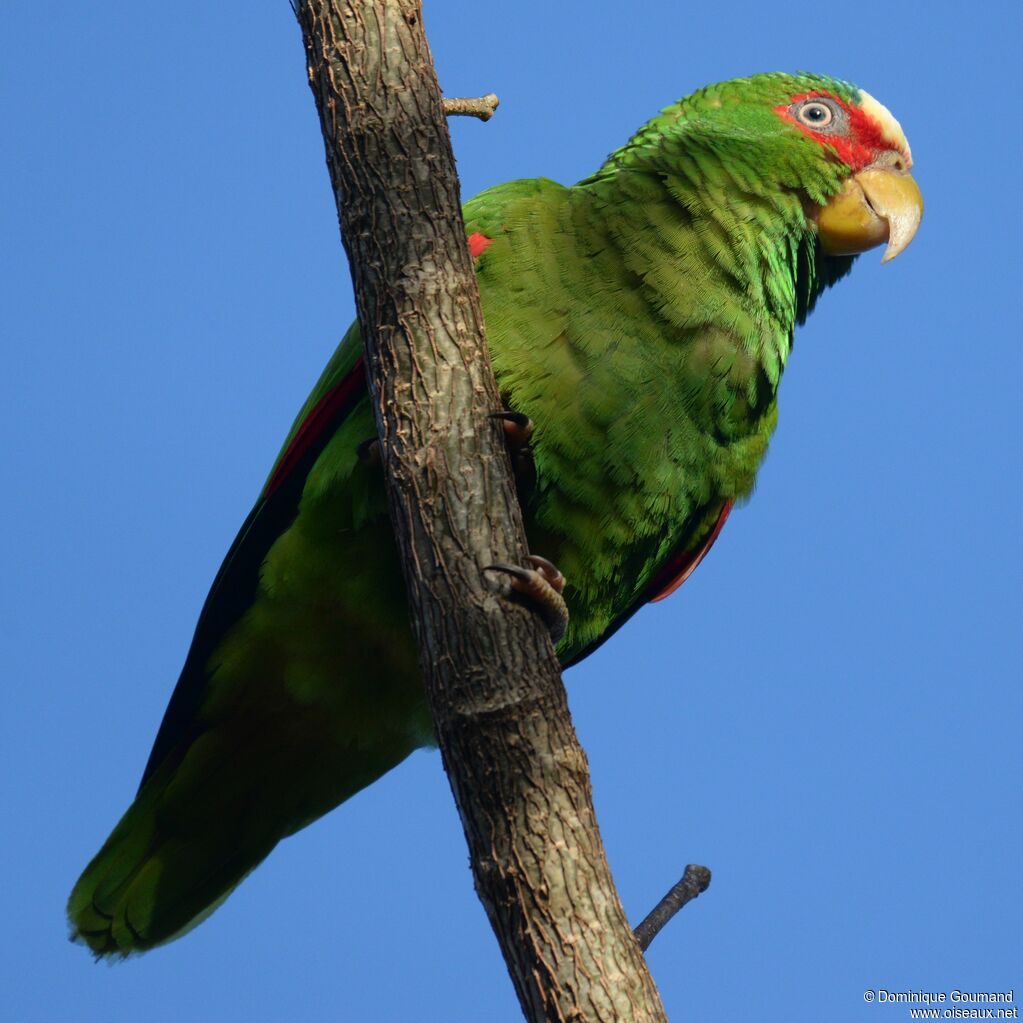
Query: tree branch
482,107
517,772
693,883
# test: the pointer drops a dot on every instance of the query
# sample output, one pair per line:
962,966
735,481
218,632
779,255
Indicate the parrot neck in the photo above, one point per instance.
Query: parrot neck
715,241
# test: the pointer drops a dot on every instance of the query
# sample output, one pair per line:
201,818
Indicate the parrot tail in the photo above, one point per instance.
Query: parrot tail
202,821
156,877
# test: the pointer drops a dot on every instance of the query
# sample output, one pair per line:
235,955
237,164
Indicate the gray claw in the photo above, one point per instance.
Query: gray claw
539,588
517,428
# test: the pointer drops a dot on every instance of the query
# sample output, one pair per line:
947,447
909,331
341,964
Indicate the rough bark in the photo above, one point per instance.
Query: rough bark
518,774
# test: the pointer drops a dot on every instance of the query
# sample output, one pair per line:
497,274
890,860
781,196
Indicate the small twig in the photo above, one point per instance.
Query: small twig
482,107
695,880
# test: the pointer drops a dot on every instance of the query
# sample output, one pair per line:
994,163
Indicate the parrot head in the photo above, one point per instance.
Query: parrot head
879,202
806,136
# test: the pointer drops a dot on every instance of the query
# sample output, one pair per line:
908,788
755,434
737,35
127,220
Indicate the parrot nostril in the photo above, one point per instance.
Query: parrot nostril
892,160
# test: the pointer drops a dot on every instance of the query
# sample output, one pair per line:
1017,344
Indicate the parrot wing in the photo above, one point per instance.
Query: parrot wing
339,389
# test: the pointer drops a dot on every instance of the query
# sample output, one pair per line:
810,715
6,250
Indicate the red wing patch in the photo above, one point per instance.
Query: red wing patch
323,412
337,397
680,567
478,243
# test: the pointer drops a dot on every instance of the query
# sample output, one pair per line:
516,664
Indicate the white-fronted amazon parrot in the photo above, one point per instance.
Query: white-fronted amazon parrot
639,321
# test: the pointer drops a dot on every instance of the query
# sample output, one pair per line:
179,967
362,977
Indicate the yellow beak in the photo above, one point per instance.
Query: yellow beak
879,204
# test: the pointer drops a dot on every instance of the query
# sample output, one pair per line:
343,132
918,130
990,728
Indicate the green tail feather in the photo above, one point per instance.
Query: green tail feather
150,884
200,825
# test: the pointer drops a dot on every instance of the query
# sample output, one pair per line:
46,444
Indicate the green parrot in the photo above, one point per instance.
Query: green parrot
639,322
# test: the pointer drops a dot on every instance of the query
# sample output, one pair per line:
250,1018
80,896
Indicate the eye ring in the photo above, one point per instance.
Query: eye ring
815,113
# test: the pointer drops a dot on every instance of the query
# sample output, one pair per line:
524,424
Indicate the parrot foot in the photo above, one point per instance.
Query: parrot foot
518,428
517,431
539,587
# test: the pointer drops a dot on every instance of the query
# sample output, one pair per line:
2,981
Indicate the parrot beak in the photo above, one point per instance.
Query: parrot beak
881,203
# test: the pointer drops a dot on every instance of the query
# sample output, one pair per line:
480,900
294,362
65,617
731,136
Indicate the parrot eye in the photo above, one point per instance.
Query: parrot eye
817,113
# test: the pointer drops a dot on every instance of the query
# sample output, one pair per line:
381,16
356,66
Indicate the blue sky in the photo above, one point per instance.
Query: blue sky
828,713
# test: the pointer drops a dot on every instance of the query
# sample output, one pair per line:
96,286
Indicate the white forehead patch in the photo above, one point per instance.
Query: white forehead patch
890,128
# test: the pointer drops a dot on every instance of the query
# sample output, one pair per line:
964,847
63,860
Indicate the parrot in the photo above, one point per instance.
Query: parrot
638,323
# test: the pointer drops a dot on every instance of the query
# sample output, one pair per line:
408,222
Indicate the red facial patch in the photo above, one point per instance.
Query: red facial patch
478,243
859,146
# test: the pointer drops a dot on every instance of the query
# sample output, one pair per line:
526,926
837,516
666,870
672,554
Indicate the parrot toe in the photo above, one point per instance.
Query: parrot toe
518,429
539,587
